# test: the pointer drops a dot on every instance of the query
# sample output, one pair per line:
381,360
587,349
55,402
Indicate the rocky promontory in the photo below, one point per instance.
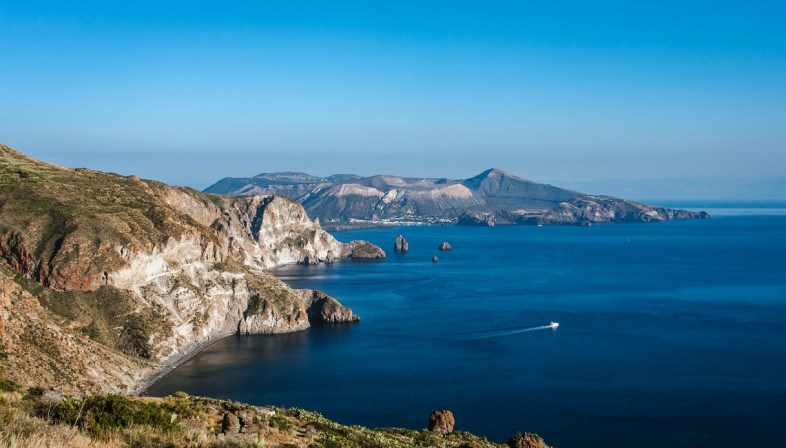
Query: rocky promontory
129,275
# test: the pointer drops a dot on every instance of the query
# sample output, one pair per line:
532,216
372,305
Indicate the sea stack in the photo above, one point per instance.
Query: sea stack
401,245
445,246
434,259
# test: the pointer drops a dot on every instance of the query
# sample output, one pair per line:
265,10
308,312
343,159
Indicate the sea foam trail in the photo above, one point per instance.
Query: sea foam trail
498,333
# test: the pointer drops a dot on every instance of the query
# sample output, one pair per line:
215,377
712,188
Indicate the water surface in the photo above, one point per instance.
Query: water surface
671,334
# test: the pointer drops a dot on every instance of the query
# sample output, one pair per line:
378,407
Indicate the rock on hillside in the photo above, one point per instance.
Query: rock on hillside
145,269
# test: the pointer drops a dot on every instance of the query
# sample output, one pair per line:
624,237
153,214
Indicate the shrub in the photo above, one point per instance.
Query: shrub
109,412
9,385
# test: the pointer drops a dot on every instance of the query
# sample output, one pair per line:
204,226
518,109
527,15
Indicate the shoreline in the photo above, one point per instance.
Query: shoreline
168,365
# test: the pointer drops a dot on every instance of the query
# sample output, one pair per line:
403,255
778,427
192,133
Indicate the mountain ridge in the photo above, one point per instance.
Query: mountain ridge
493,196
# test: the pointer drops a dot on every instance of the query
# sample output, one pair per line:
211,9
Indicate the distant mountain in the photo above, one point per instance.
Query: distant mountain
491,197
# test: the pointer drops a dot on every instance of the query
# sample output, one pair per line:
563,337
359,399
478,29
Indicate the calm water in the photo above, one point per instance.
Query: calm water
671,334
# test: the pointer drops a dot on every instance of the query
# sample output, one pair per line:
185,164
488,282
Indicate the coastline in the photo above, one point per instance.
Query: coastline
174,361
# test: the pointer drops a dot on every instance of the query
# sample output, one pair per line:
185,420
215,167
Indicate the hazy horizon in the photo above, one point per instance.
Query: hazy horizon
548,91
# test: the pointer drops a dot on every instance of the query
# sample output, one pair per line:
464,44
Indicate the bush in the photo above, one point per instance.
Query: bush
113,411
8,385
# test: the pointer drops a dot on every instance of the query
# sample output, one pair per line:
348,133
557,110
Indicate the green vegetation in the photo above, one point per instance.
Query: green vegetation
8,385
185,421
71,221
112,412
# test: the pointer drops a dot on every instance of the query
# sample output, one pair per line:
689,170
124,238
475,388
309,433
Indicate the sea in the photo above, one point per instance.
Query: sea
670,334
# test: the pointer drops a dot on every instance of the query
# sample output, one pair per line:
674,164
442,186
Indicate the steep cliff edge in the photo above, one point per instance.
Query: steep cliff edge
143,270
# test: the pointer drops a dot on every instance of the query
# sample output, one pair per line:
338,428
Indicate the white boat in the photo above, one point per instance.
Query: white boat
554,324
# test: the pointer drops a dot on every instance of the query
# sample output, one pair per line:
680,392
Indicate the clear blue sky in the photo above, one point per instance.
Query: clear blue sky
191,92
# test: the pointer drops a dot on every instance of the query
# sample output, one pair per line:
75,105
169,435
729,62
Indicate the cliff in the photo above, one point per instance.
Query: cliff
127,275
491,197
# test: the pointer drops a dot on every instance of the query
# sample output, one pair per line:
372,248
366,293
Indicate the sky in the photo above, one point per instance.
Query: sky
192,92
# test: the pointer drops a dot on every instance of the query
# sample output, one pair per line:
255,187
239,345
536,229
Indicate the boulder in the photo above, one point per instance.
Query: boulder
434,259
230,424
441,422
445,246
245,417
526,440
401,244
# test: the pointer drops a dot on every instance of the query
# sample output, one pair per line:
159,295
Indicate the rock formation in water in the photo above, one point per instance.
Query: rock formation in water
434,259
492,197
445,246
359,250
401,245
106,277
441,422
323,308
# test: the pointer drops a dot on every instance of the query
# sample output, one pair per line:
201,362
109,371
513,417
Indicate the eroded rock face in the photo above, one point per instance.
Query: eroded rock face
441,422
445,246
173,267
526,440
401,245
323,308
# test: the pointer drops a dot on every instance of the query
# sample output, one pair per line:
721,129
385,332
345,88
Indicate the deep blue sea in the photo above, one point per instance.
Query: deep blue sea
671,334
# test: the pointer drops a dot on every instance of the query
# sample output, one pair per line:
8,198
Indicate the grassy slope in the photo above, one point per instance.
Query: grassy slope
34,418
66,216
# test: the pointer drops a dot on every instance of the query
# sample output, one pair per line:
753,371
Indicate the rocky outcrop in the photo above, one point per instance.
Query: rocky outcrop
401,245
445,246
322,308
171,267
526,440
441,422
230,424
476,219
360,250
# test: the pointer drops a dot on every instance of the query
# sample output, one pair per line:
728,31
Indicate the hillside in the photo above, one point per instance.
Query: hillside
33,417
491,197
107,281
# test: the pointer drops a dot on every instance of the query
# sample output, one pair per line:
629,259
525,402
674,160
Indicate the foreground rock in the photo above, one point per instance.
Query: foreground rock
401,245
230,424
441,422
526,440
445,246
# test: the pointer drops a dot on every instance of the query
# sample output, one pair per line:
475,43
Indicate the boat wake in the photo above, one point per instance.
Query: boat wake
499,333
